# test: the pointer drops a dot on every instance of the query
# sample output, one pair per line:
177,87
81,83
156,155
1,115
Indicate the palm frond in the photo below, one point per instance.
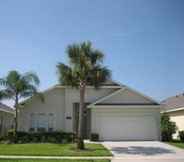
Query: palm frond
31,77
18,85
1,95
97,57
86,48
3,82
28,91
99,75
73,52
85,65
67,76
6,94
13,77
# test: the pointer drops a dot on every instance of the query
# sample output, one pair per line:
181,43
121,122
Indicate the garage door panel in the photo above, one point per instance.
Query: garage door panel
133,127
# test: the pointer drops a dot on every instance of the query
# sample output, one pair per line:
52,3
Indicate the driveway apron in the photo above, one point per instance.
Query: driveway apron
151,151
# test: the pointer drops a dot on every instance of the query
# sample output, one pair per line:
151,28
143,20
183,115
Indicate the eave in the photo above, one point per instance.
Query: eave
124,106
173,110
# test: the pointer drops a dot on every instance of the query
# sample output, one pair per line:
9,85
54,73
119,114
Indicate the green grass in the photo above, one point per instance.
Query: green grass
54,160
53,150
177,144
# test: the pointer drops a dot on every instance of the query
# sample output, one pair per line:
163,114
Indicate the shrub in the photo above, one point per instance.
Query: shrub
94,137
68,137
2,139
40,137
168,128
181,135
52,140
11,136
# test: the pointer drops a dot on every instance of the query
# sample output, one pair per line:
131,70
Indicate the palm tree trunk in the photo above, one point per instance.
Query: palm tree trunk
80,140
16,114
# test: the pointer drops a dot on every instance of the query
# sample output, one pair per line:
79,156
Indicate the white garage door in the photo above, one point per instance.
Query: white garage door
116,127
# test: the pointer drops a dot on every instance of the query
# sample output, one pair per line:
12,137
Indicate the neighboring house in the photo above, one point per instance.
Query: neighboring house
6,119
114,111
174,107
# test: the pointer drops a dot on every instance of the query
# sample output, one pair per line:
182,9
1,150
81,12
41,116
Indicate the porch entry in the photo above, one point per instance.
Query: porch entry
86,118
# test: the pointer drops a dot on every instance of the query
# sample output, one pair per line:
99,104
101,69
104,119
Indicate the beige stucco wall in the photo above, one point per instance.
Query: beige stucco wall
72,96
58,101
54,103
6,122
126,96
178,118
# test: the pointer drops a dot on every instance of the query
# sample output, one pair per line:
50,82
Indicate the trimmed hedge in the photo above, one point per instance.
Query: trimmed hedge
94,137
46,137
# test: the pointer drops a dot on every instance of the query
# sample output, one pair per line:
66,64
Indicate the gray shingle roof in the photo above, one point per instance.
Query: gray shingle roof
6,108
173,102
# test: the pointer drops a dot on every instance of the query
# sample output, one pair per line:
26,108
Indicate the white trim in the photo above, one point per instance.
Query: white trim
173,110
60,86
125,106
51,88
7,111
121,86
106,97
44,91
107,87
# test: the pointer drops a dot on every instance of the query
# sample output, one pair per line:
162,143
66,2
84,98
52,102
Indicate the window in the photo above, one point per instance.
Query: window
51,122
42,124
33,123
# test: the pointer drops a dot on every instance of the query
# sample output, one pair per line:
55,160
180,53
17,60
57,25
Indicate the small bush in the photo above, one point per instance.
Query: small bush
11,136
52,140
40,137
168,128
181,135
94,137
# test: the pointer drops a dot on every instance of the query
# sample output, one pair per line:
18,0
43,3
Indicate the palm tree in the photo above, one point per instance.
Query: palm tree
84,68
1,96
16,86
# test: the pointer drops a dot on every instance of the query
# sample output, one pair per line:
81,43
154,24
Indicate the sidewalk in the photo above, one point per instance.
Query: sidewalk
56,157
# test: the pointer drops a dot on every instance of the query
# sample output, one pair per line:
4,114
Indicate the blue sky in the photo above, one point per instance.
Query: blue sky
143,40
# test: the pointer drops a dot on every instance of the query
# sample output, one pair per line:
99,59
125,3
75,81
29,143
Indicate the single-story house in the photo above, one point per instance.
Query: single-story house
174,107
114,111
6,119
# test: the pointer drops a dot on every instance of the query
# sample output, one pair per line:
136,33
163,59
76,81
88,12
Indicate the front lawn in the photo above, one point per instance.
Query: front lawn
53,150
54,160
177,144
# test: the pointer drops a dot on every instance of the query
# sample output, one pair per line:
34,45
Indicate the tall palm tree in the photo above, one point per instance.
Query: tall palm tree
85,68
1,96
16,86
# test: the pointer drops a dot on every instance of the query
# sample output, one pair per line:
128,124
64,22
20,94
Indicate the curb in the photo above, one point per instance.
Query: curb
56,157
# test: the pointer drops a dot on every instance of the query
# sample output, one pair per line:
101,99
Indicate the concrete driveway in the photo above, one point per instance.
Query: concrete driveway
144,151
